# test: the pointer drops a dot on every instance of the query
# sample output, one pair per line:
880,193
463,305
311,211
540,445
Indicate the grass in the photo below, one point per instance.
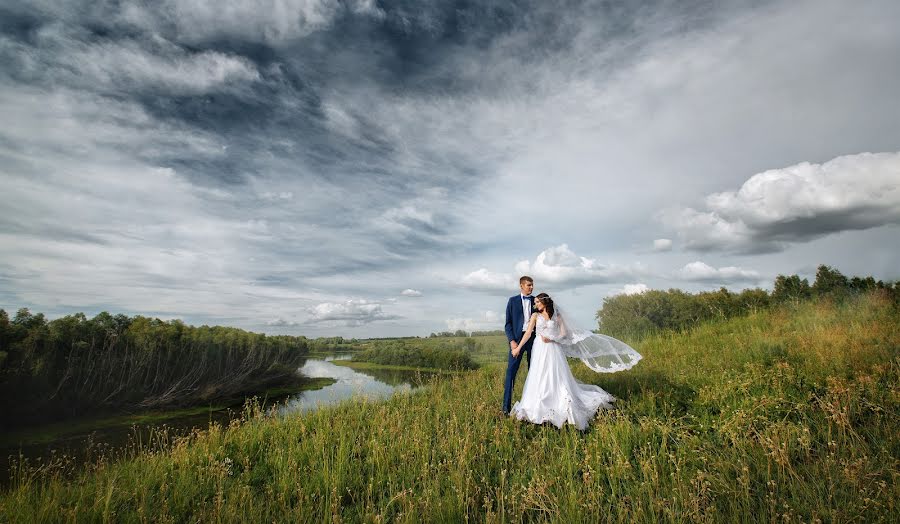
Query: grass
782,416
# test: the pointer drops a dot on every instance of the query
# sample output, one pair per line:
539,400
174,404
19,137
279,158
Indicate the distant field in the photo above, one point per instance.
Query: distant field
786,415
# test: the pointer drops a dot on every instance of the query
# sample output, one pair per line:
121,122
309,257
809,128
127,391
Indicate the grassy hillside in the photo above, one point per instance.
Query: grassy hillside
786,415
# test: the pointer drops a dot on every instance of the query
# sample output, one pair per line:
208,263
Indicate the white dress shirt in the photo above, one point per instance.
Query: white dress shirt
526,309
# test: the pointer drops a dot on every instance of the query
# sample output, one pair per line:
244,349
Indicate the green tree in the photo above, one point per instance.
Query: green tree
790,288
829,281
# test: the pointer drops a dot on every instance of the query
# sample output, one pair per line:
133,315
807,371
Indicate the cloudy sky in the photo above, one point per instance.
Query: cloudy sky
366,168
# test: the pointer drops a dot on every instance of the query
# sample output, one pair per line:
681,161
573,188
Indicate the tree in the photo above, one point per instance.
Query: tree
829,281
791,288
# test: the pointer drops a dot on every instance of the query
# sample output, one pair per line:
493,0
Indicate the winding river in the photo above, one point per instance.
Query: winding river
82,439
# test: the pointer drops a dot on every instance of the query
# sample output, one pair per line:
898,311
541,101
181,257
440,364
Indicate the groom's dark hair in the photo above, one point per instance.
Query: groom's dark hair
525,278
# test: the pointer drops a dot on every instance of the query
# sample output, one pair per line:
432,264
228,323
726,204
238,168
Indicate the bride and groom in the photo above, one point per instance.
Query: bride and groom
536,325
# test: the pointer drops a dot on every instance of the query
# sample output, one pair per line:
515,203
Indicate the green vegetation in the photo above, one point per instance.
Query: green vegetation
366,366
784,414
74,365
411,353
635,316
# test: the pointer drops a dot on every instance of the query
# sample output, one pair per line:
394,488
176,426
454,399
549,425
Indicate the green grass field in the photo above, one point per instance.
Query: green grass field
783,416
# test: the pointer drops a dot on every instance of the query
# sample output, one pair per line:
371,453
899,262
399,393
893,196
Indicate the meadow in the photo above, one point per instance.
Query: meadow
786,414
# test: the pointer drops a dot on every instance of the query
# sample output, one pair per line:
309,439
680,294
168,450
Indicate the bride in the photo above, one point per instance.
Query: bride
551,393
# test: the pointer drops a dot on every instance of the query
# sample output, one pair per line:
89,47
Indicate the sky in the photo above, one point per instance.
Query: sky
370,169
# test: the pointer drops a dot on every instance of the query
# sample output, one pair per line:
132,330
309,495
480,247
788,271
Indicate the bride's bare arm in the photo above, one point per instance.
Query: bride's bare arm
527,335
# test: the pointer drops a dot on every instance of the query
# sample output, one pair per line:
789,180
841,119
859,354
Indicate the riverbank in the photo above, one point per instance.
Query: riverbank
785,415
361,366
44,433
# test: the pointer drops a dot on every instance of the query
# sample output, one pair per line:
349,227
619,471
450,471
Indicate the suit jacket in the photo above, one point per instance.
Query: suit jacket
515,318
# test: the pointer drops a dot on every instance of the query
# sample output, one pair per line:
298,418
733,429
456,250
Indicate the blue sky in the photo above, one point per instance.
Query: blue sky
362,168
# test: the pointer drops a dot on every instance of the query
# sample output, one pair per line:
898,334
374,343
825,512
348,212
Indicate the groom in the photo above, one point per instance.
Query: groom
518,312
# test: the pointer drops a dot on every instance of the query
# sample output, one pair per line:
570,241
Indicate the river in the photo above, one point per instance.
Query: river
83,439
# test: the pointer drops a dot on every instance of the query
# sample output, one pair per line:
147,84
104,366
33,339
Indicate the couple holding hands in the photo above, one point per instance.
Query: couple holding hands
537,328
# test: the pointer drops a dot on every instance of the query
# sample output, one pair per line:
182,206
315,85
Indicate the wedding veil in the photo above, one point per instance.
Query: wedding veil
601,353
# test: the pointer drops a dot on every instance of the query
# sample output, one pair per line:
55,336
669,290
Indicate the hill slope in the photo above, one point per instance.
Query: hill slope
787,415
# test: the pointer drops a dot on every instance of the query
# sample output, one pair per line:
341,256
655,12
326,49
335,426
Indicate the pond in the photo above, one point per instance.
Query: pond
82,439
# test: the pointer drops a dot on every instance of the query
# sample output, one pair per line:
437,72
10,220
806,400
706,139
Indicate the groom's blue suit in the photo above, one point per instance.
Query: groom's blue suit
515,320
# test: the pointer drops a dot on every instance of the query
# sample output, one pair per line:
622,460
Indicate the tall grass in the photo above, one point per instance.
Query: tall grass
781,416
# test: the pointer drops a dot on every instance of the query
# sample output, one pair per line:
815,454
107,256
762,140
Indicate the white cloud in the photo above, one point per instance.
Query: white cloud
411,293
484,280
795,204
560,267
701,272
632,289
349,313
662,244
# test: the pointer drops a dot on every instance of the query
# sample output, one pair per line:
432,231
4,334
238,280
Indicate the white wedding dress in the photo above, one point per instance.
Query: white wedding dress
551,393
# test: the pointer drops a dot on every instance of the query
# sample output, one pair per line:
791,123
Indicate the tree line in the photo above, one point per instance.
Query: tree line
464,333
656,310
74,364
397,353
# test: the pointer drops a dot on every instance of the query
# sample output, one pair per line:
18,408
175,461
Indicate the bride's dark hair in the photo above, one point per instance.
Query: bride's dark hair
547,302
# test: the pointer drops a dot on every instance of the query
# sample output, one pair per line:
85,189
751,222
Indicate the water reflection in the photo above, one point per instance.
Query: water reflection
369,383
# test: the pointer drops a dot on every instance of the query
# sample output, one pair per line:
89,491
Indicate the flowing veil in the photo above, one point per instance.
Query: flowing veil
601,353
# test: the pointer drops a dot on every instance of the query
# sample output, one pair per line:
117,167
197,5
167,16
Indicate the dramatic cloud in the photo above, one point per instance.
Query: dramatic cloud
701,272
796,204
64,56
288,166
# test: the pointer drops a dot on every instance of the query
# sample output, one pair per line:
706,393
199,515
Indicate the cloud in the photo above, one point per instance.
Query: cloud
662,244
60,55
484,280
274,22
280,322
222,161
411,293
701,272
349,313
795,204
489,320
560,267
632,289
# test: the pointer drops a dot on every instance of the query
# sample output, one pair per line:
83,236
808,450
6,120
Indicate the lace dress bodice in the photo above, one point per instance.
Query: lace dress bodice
547,328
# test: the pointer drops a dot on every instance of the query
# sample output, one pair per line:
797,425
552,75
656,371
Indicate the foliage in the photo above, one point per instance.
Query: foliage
786,414
73,364
402,353
636,316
